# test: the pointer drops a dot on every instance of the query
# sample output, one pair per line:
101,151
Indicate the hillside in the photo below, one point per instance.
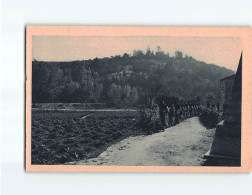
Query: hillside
126,80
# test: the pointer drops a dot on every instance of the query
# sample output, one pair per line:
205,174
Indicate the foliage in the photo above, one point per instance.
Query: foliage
47,82
209,98
169,98
125,80
115,93
149,120
209,118
198,99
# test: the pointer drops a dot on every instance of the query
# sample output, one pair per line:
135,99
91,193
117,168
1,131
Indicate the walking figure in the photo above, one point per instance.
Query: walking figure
162,112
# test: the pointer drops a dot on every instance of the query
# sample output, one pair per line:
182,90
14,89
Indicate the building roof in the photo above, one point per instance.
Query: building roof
229,77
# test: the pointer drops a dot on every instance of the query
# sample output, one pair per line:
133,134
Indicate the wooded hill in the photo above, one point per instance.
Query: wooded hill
126,80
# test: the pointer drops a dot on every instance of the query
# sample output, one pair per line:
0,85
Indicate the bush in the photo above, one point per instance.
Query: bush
209,118
149,120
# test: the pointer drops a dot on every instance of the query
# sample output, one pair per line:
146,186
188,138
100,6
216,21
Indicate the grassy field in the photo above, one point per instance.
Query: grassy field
63,136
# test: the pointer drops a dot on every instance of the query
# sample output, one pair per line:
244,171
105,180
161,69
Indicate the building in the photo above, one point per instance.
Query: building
226,85
226,146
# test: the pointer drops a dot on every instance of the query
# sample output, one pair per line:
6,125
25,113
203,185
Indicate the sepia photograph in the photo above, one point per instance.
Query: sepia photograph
136,101
125,98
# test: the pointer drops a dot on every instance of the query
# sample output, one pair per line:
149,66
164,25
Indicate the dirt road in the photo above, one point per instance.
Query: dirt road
182,145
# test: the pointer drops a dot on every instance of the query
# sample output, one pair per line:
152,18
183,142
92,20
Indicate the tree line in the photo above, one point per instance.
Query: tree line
126,80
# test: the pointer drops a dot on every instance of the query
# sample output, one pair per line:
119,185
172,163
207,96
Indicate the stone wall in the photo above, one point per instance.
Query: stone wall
226,85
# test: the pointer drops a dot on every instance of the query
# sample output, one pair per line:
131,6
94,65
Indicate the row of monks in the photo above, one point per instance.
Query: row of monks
173,114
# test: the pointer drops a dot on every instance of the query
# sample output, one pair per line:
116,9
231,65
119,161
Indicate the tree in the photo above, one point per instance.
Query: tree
148,52
68,92
92,80
126,55
86,82
169,98
138,53
133,96
209,97
47,82
198,99
126,91
98,91
115,94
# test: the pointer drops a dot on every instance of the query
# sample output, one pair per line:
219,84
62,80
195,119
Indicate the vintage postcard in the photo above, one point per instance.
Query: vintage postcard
138,99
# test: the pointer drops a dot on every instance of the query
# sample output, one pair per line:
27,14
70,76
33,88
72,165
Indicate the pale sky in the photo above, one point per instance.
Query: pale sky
220,51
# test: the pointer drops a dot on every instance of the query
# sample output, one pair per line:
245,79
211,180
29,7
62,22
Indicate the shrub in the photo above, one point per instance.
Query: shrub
149,120
209,118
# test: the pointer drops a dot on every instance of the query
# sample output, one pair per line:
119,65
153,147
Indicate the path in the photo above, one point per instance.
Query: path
182,145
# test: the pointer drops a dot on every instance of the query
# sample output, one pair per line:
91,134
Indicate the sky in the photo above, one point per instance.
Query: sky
222,51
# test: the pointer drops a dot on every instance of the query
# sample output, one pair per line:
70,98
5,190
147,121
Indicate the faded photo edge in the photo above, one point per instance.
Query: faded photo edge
244,33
